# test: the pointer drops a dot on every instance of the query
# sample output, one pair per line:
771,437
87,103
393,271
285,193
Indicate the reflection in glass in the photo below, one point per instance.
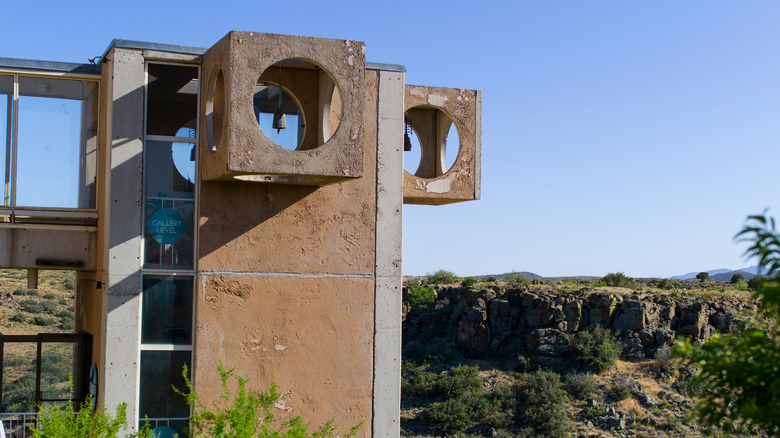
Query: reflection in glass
169,211
56,143
266,103
167,310
19,377
57,365
172,98
160,372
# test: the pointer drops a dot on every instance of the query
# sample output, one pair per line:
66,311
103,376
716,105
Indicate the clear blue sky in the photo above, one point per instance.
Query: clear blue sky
616,136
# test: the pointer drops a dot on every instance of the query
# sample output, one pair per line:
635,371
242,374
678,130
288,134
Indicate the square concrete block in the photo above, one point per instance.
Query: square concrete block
325,78
432,113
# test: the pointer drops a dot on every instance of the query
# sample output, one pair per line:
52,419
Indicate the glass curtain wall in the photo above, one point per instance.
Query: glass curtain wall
169,242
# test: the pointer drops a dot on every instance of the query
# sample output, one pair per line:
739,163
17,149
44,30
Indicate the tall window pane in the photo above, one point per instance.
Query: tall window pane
170,205
167,310
56,143
6,112
160,371
172,99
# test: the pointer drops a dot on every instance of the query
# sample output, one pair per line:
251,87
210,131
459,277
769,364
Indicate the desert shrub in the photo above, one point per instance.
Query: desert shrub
420,296
18,317
451,415
247,414
736,278
65,302
664,283
49,306
42,321
31,306
49,296
666,363
489,279
596,348
67,323
25,292
580,386
458,381
441,277
417,381
19,394
542,405
69,284
516,280
755,283
469,281
618,279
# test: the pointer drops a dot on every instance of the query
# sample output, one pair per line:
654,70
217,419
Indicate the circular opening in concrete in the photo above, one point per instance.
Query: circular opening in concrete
302,94
437,142
215,109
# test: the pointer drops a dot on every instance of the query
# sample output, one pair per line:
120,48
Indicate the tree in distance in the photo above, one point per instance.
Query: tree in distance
702,276
736,278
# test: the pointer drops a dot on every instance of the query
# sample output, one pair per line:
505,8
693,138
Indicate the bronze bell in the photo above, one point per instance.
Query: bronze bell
280,122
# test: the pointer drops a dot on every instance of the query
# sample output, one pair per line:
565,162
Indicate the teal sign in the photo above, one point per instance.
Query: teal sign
166,226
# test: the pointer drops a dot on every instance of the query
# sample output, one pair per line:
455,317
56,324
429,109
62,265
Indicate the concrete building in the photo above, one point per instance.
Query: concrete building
240,203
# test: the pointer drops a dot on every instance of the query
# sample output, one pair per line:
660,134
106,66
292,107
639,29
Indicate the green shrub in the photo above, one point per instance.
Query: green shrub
580,386
756,283
420,296
596,348
469,281
49,296
458,381
417,381
247,414
49,306
68,284
67,323
542,405
516,280
441,277
23,292
18,317
31,306
618,279
736,278
64,422
42,321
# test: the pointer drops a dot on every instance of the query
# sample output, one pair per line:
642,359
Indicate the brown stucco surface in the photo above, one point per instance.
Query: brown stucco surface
242,148
286,287
461,182
312,336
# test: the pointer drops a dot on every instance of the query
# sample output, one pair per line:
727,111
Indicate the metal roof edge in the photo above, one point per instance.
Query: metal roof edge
50,66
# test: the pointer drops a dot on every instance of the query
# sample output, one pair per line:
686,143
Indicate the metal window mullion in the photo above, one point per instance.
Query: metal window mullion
14,144
9,124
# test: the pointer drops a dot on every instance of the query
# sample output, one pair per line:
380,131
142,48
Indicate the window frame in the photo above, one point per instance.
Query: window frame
190,272
10,213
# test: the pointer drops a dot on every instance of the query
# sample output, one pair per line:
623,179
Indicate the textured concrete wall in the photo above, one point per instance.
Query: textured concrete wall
286,288
119,369
387,325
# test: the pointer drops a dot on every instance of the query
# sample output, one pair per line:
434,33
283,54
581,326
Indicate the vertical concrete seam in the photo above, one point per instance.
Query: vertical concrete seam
376,253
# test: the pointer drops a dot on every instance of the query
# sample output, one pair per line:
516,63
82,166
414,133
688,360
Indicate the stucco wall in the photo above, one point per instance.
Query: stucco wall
286,288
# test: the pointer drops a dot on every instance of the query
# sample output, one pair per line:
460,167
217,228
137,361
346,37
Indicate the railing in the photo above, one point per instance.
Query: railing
178,424
19,424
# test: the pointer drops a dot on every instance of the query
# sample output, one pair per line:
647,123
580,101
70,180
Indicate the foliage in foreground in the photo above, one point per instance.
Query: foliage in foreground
247,414
742,372
542,406
55,422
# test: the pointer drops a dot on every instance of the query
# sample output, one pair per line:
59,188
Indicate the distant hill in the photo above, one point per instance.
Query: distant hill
721,274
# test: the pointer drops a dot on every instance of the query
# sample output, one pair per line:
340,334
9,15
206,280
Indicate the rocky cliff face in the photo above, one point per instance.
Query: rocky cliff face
505,323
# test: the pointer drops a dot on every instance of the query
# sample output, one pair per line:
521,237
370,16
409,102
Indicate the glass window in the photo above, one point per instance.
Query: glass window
167,310
56,143
6,120
170,205
160,372
172,95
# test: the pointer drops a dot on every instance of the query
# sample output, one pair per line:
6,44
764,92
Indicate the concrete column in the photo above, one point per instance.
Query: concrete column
119,372
32,279
389,273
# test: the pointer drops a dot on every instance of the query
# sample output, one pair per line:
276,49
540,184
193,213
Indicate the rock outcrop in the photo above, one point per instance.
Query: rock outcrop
535,322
